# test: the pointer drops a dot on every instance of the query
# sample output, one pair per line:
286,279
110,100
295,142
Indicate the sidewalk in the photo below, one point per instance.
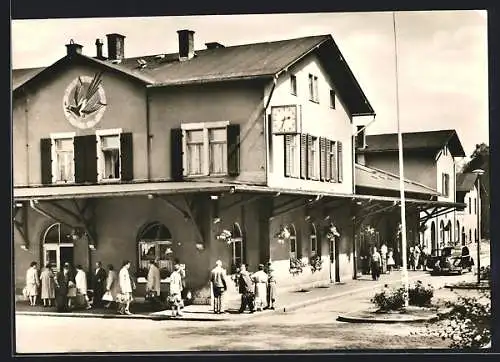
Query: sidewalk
286,301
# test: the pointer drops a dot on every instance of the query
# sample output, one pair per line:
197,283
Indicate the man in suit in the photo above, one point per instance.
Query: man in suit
246,289
218,280
98,284
63,280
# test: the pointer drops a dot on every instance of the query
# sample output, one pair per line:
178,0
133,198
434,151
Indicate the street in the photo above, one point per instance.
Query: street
310,327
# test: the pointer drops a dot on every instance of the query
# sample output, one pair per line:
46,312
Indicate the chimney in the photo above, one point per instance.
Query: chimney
73,48
214,45
186,44
116,45
99,44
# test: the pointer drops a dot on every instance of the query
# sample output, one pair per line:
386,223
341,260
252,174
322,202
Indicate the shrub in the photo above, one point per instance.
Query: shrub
420,295
468,323
316,263
296,266
389,299
485,273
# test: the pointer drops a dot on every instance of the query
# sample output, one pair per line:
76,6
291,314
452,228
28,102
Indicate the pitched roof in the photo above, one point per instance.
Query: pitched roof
20,76
466,181
246,62
428,140
378,179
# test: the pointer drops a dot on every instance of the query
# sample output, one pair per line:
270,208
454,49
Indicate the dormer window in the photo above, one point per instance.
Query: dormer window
332,98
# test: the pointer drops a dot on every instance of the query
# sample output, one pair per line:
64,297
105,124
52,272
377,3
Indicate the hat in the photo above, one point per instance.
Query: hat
66,264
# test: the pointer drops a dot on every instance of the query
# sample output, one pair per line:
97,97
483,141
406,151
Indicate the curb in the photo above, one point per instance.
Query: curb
120,316
467,287
352,319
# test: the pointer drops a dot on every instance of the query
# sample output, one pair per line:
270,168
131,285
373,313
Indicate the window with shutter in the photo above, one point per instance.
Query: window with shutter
333,162
63,158
127,157
287,153
90,157
340,162
328,164
322,158
310,157
46,160
303,156
80,164
176,154
233,146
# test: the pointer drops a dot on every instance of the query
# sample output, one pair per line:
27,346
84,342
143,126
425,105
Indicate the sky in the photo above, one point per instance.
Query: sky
441,56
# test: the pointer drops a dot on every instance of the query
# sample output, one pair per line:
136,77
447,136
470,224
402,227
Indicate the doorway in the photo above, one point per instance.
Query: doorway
58,246
334,260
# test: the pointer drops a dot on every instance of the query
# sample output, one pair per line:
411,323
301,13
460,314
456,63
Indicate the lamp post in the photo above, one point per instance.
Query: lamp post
479,173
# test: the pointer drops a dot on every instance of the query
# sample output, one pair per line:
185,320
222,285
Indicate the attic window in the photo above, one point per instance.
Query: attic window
293,84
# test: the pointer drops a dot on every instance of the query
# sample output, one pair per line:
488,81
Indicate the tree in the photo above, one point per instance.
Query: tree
480,158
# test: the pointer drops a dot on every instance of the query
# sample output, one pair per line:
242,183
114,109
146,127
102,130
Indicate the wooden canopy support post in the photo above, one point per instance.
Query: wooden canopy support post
362,217
64,209
190,213
88,224
48,215
22,226
176,208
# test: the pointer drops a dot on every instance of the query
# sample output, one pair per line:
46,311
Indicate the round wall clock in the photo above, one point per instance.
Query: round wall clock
84,101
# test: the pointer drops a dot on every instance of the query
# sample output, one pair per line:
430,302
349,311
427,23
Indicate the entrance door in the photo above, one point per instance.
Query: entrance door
334,261
58,254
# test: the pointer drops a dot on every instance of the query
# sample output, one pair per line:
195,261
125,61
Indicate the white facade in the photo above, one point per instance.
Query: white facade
442,229
467,218
318,118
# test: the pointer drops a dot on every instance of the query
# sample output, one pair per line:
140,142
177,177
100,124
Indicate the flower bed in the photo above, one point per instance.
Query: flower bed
392,299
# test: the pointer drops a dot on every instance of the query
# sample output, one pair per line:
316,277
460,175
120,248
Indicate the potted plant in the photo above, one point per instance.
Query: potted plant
283,234
316,263
225,235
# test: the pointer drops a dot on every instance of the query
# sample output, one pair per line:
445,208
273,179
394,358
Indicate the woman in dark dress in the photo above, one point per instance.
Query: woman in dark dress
63,279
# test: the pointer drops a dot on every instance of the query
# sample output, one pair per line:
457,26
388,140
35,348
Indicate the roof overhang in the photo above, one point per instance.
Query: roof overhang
169,188
215,79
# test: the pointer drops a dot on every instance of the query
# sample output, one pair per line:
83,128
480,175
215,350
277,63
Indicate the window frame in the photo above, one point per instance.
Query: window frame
332,160
313,240
55,165
292,240
240,241
205,157
293,84
313,88
333,101
313,157
292,158
99,134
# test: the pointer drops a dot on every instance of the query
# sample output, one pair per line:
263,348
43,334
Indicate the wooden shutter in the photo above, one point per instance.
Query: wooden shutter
176,154
333,162
46,160
328,165
233,149
79,149
90,158
322,158
127,157
303,156
340,163
310,161
287,141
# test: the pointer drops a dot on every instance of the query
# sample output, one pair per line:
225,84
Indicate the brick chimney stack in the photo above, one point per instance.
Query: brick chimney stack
116,47
73,48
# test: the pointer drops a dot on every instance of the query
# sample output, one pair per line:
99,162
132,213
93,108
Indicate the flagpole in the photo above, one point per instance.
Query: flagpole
401,172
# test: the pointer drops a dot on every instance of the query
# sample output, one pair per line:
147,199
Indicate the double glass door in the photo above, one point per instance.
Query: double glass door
57,255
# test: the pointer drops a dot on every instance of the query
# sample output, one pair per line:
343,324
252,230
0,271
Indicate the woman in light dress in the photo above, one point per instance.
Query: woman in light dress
112,285
260,279
390,261
32,283
81,286
126,288
153,285
48,291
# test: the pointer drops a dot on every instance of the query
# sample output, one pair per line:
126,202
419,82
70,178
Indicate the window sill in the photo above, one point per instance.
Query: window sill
314,101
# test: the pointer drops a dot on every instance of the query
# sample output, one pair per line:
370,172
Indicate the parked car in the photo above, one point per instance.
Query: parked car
450,260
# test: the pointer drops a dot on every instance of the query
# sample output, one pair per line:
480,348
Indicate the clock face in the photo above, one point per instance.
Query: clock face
284,119
84,101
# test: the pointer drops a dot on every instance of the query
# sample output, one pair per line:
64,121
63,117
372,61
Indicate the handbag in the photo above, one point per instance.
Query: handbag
107,297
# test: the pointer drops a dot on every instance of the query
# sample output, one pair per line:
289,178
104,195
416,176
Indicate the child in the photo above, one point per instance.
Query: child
390,261
175,291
